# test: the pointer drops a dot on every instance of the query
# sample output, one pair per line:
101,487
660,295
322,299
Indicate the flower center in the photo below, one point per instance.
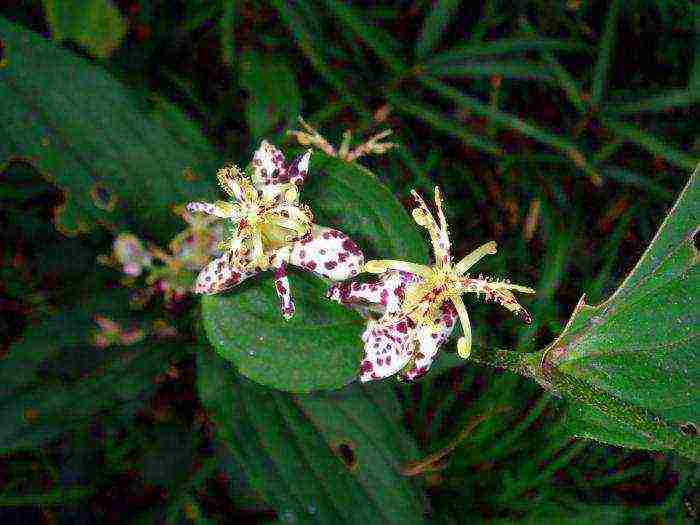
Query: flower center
423,300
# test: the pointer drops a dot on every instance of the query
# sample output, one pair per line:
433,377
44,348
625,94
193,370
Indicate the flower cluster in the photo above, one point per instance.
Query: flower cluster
418,305
412,309
270,229
170,271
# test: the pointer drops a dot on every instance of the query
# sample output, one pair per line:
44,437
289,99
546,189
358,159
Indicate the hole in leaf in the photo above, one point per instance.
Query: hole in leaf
689,429
103,198
346,453
696,240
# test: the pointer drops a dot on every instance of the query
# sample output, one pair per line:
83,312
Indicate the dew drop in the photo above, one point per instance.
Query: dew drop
251,353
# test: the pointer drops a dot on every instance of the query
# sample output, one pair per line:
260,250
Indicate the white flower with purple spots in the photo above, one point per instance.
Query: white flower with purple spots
271,229
413,308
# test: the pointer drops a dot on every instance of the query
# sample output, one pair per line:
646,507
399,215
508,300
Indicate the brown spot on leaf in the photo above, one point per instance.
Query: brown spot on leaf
689,429
346,453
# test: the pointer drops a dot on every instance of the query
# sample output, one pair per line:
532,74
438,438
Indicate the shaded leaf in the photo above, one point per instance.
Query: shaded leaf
274,99
42,341
661,102
434,26
558,142
320,348
653,144
96,139
118,386
321,458
605,52
97,25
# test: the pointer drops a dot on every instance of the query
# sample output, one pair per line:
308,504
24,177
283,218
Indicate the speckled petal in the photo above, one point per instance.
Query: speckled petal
299,168
430,339
269,167
218,276
388,292
328,253
386,349
283,292
220,209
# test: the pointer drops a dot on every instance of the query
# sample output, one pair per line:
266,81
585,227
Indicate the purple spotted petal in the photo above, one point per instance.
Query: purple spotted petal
387,349
218,276
429,342
299,169
328,253
269,167
388,293
283,292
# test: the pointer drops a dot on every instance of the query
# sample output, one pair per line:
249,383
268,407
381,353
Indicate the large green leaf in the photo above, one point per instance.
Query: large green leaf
329,457
630,366
274,101
320,348
113,152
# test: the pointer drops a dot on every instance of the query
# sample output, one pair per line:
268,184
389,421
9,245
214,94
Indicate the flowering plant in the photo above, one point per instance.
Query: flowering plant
269,229
418,304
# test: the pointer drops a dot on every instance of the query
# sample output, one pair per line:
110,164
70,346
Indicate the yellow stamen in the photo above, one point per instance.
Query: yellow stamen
384,265
464,344
470,260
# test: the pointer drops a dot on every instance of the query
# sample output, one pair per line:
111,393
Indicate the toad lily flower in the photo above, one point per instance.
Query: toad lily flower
418,305
269,229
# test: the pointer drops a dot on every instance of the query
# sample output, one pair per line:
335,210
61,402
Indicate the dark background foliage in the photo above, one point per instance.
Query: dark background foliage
564,130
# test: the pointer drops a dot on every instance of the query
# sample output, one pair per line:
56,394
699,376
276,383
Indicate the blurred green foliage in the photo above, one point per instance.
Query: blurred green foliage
565,130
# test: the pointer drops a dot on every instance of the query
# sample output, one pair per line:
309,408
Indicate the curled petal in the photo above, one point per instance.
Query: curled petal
219,275
327,252
429,340
386,349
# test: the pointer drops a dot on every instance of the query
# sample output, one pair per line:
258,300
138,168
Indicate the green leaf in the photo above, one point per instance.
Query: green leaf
512,69
631,365
434,26
379,41
649,142
315,49
320,348
227,23
322,458
605,51
557,142
113,153
119,386
20,367
665,101
274,100
446,124
97,25
505,46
